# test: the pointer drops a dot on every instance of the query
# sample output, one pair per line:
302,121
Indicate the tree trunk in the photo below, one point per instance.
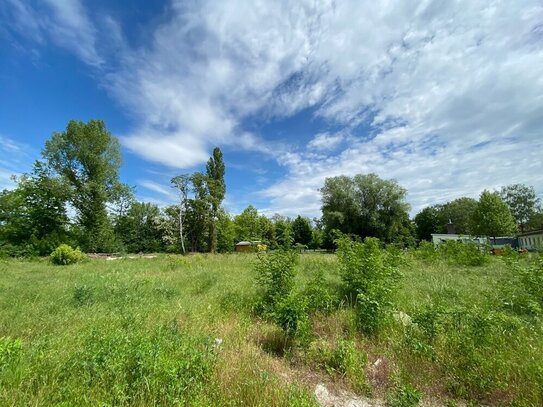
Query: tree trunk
181,229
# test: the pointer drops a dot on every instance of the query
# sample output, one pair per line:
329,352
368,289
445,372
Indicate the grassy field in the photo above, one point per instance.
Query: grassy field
183,331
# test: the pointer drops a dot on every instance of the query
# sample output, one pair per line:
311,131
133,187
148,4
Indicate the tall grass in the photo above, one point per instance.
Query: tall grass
185,331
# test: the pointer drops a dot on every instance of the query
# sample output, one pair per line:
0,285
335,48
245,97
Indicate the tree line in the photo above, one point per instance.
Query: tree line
73,195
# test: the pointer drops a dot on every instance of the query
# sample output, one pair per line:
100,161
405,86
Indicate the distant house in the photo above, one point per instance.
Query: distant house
531,240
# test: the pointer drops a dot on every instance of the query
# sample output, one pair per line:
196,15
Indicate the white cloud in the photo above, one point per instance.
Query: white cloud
167,192
15,158
443,96
64,22
325,142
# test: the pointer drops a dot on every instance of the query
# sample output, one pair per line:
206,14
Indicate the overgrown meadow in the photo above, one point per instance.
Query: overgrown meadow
448,327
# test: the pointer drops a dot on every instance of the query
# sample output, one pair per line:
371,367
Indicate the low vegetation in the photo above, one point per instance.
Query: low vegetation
264,329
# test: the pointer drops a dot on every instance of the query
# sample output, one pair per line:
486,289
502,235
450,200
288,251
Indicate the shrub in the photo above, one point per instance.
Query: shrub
317,296
404,396
426,251
522,287
464,253
64,255
275,277
369,276
341,358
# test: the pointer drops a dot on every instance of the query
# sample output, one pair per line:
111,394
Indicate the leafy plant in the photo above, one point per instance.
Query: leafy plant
317,296
522,287
275,277
404,396
9,350
64,255
369,276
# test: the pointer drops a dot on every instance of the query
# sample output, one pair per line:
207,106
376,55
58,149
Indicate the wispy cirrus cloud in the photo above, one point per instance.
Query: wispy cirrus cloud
443,96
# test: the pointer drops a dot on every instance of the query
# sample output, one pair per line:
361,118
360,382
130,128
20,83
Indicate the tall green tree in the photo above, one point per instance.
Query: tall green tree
459,212
428,221
492,216
34,214
302,231
182,184
522,201
198,213
226,232
138,228
247,225
88,158
364,205
217,188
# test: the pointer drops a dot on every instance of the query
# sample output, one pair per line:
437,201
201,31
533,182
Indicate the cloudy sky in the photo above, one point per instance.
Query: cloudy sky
444,96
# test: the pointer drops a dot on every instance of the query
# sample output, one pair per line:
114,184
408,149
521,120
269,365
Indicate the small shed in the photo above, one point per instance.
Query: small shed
243,246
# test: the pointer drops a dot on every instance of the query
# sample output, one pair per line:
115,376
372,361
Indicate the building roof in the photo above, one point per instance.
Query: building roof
533,232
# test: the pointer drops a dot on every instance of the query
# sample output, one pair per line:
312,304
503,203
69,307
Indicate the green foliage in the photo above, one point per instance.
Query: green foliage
127,367
301,228
139,230
290,314
522,287
460,213
492,216
317,295
217,189
10,350
275,277
369,276
428,221
82,295
426,251
522,201
64,255
88,158
340,358
404,396
33,217
364,205
464,253
247,225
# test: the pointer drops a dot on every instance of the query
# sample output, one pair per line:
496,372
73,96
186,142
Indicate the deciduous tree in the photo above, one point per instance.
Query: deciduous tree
88,158
492,216
522,201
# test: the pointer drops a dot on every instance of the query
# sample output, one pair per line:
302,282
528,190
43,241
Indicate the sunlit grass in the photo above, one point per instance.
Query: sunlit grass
143,332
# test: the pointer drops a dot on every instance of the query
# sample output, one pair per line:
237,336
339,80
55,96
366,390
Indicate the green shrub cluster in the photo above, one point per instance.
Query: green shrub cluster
369,276
471,345
403,396
522,287
64,255
464,253
128,367
341,358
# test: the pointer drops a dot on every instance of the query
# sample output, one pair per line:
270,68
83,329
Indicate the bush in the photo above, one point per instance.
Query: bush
64,255
404,396
341,358
426,251
464,253
522,288
369,276
275,277
317,296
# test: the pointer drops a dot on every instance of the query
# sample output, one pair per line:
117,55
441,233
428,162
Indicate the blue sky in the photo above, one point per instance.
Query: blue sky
445,97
